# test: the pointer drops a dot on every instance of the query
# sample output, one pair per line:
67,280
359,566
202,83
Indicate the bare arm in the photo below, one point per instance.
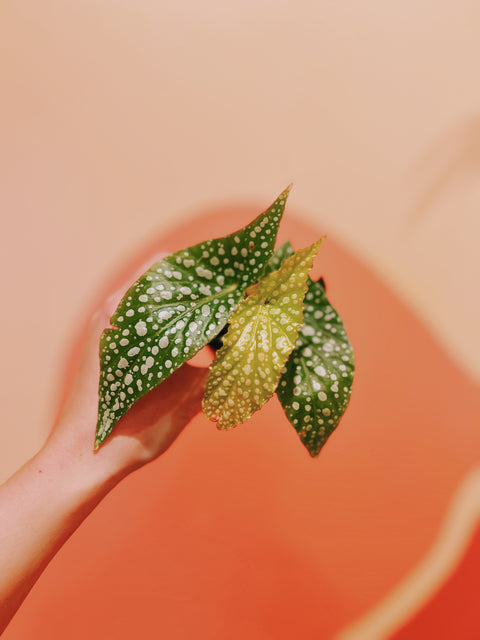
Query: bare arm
47,499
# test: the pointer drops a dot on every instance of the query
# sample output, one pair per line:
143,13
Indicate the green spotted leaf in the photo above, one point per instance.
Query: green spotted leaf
175,309
262,333
279,255
272,265
317,381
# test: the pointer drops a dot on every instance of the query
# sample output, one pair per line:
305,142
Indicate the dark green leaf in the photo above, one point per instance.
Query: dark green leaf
175,309
284,251
321,281
316,385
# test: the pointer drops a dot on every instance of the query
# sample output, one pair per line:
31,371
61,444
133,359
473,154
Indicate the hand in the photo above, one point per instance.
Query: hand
146,430
43,503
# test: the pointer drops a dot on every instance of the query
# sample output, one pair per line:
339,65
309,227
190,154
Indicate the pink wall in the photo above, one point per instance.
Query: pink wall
119,120
241,534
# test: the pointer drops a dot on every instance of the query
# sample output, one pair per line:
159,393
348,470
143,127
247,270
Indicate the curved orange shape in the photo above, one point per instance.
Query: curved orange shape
454,609
241,534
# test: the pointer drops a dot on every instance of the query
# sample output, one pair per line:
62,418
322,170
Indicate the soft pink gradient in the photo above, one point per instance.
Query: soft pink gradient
119,120
241,534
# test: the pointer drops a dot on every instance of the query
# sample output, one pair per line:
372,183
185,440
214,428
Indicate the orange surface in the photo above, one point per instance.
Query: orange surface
240,534
453,611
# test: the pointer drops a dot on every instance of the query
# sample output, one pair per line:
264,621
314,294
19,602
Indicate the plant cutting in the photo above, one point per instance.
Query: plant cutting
274,326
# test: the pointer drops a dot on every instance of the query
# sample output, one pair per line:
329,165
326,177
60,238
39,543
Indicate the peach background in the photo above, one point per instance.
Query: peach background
121,119
242,535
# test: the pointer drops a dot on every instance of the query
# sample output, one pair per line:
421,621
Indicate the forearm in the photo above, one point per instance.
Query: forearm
40,507
48,498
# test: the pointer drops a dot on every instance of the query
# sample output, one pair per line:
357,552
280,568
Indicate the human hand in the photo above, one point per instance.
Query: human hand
147,429
66,479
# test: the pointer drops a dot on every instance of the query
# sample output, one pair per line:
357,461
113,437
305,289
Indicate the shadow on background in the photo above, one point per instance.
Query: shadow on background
455,155
241,534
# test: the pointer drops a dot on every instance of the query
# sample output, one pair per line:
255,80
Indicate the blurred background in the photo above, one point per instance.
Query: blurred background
122,120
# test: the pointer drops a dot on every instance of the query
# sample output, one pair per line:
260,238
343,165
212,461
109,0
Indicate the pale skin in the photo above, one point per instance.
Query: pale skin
44,502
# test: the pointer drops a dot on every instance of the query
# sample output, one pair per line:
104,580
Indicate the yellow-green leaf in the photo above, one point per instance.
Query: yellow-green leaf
262,333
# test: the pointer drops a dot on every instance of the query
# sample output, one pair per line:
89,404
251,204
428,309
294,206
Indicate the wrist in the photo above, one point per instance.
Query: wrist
78,474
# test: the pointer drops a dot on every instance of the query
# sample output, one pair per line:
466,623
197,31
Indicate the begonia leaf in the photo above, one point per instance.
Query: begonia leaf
261,335
175,309
273,264
279,255
317,381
